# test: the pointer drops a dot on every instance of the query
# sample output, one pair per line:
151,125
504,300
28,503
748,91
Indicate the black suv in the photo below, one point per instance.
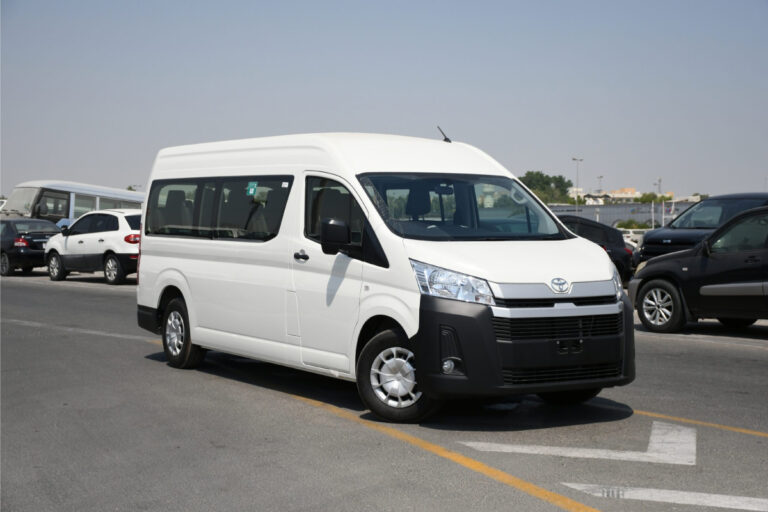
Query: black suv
606,237
725,276
695,223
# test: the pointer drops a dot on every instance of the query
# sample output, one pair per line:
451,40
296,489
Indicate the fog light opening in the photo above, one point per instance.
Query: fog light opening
453,366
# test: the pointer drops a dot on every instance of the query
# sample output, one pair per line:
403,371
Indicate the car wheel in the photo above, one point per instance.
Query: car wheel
5,265
660,307
177,341
571,397
386,379
55,267
113,270
737,323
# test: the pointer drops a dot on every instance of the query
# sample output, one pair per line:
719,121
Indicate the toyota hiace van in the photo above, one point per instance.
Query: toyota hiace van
420,269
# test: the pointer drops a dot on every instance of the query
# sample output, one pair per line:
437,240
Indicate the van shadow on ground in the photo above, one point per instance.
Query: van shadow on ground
513,413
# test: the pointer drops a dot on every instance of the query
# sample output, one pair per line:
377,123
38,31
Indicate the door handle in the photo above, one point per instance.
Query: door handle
301,255
752,259
101,239
79,241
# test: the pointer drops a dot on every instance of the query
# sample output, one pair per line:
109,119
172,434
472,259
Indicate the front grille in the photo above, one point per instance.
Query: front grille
557,328
564,373
550,303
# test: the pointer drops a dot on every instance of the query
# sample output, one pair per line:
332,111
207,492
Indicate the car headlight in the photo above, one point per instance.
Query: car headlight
617,283
440,282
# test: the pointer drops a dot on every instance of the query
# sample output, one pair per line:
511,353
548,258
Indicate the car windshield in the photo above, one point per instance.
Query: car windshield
428,206
21,200
36,226
134,221
712,213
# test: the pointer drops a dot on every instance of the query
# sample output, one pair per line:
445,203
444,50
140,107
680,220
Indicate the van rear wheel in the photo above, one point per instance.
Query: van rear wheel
177,342
386,380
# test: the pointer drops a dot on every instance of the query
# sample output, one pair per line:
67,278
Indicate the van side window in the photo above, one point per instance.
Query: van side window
171,208
54,205
251,208
326,198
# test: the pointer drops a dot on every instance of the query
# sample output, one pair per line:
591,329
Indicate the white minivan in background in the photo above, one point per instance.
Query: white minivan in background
421,269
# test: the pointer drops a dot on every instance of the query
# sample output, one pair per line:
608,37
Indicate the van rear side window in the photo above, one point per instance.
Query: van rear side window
238,208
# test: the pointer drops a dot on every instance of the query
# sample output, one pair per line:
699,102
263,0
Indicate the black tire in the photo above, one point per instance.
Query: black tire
56,270
113,270
177,341
572,397
402,402
660,307
26,270
737,323
5,265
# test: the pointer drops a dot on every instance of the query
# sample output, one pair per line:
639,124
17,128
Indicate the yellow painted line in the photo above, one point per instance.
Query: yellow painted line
703,423
156,342
534,490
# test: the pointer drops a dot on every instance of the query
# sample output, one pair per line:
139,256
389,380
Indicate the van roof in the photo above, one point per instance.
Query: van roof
344,153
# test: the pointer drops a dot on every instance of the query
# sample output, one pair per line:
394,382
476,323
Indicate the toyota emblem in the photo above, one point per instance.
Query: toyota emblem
559,285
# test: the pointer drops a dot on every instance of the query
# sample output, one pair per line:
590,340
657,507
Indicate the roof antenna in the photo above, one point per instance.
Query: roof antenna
445,137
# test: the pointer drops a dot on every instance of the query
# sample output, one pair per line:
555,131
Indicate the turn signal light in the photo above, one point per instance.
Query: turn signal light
133,239
20,242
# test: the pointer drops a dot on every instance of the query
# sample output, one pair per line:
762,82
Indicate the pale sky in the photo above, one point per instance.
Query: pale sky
91,90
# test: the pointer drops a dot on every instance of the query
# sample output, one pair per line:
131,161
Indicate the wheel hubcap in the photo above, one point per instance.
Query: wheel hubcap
110,269
658,306
393,378
174,333
53,266
4,263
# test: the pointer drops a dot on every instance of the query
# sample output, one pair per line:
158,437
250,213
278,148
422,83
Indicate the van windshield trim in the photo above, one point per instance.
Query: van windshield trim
490,207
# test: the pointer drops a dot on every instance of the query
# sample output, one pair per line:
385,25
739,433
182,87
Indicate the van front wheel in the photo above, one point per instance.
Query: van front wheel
386,380
177,342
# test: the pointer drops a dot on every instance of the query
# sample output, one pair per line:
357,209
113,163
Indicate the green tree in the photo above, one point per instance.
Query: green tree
550,189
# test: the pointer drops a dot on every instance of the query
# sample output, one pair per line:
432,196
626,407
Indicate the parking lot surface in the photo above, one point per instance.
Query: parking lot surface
94,419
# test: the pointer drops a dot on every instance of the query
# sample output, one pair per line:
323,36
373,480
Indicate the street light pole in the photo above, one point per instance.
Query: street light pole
599,184
578,161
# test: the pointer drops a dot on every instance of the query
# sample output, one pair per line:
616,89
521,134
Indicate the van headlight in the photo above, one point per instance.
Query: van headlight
617,283
440,282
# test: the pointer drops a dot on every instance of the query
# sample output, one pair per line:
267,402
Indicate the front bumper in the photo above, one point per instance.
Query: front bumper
552,358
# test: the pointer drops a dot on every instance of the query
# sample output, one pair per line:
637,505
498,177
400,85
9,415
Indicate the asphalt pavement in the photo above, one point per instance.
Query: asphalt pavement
94,419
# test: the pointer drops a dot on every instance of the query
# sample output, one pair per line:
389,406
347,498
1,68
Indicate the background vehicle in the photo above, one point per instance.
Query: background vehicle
606,237
22,243
696,223
725,277
63,201
105,240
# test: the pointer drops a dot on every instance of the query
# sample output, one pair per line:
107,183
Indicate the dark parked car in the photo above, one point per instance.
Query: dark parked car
725,276
606,237
22,243
696,223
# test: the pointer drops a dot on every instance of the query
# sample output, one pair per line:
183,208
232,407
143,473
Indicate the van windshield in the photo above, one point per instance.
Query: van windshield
429,206
21,200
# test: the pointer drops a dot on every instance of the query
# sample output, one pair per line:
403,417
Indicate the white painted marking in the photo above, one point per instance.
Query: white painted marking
76,330
700,499
669,444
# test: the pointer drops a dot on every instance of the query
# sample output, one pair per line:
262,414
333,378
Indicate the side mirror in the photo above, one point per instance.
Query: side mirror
705,247
334,235
65,230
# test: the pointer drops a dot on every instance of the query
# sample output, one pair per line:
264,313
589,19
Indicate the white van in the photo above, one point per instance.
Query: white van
421,269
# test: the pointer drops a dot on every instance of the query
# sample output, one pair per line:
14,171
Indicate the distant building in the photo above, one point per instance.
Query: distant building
624,195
